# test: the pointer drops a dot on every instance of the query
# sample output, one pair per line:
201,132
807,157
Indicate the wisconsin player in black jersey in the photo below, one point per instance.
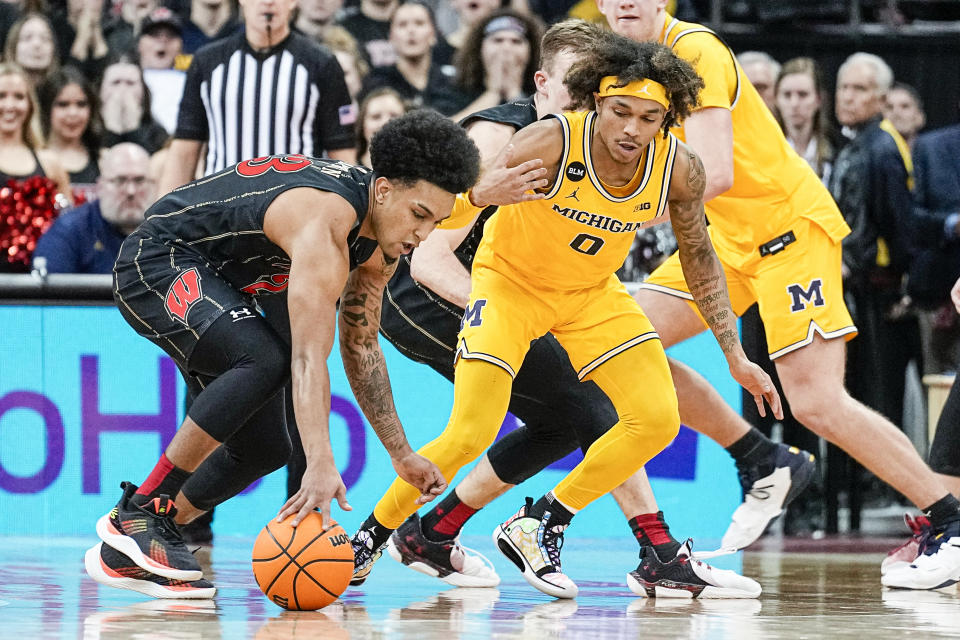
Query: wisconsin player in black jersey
421,316
237,276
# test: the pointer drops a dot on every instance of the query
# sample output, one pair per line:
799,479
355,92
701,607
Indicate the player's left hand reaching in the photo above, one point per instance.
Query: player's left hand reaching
321,484
420,472
755,380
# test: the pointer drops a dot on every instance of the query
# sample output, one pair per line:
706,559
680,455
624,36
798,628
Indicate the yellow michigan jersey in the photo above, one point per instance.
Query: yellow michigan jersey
581,232
766,171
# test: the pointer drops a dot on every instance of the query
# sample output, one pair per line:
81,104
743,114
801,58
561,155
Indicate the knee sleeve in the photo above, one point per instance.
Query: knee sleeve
525,452
260,447
247,363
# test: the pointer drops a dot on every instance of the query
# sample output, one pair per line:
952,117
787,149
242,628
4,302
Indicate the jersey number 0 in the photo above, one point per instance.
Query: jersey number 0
587,244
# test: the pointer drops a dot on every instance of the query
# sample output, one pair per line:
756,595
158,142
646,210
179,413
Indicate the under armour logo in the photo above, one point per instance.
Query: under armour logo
241,314
574,194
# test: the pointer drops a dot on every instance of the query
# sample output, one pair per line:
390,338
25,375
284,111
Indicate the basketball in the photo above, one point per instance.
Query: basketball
303,568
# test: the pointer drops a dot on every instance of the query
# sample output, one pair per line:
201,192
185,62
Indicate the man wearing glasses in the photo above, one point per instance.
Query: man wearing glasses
87,239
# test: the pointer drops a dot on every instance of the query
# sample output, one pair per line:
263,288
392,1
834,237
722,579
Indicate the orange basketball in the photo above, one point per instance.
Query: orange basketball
303,568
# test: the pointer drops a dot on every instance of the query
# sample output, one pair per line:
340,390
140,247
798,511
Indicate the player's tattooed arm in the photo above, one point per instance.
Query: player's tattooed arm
360,349
367,371
705,278
701,267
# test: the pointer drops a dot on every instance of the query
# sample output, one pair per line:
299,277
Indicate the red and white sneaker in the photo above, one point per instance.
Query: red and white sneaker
906,553
108,566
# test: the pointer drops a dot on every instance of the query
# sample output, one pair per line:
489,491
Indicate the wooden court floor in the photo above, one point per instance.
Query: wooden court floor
830,589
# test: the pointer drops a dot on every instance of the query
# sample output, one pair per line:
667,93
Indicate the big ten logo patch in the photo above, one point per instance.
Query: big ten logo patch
183,294
801,296
473,314
576,171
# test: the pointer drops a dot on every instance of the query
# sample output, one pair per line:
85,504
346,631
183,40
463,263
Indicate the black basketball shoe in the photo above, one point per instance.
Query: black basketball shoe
364,555
447,560
148,536
686,577
108,566
767,489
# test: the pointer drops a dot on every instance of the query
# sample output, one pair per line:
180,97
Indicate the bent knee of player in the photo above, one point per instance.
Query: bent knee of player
273,368
657,426
276,455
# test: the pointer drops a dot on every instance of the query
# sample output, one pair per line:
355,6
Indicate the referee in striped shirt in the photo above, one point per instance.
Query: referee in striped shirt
264,91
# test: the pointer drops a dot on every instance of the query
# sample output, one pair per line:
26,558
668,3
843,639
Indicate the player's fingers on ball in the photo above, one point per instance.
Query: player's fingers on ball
288,508
342,499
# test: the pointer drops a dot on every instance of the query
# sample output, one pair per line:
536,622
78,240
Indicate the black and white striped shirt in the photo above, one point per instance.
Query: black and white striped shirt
244,104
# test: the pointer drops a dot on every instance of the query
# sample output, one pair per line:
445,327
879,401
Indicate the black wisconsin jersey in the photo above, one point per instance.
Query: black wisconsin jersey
220,217
416,320
517,114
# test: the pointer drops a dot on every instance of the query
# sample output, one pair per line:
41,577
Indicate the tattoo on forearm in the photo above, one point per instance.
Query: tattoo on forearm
701,267
363,359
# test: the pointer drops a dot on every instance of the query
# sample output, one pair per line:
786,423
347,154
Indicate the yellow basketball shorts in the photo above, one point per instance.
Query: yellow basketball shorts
505,314
799,289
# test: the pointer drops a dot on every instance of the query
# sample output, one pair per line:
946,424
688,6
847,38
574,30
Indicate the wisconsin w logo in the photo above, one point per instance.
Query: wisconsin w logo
471,315
182,294
802,297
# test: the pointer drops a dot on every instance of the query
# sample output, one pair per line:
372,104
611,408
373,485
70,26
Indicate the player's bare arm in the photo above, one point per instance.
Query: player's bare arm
319,264
435,266
524,168
704,275
366,370
709,132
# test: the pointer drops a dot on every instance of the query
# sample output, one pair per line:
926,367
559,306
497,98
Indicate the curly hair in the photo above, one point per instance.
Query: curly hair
469,62
614,55
424,145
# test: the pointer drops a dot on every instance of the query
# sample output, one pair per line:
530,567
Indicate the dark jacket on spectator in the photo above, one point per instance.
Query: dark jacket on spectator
440,92
80,241
936,192
151,136
869,183
936,210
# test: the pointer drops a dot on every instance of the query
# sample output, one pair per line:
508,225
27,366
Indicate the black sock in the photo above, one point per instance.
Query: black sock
944,511
651,530
558,513
753,449
445,520
378,533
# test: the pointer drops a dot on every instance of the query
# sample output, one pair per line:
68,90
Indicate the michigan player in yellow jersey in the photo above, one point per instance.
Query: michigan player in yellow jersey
548,265
777,233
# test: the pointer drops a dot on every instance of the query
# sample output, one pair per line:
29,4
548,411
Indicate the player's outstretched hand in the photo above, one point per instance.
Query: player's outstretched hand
321,484
416,470
501,184
755,380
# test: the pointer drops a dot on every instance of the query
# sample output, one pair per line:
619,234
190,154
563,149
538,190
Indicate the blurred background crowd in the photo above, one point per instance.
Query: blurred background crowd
107,104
